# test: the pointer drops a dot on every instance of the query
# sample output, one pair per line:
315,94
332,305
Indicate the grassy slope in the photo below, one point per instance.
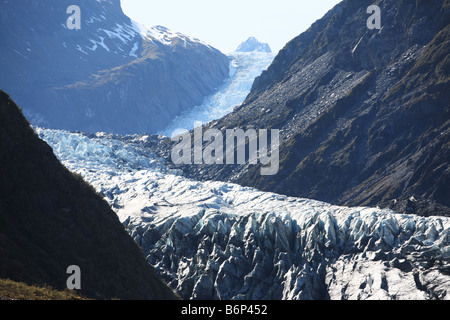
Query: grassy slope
12,290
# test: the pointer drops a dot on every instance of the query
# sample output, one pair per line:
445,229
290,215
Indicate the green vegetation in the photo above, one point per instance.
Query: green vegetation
432,68
12,290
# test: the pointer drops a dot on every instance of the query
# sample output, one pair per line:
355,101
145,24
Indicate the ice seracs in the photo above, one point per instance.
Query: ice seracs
215,240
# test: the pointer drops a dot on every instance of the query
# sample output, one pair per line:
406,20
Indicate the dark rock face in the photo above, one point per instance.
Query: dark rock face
111,75
51,219
363,114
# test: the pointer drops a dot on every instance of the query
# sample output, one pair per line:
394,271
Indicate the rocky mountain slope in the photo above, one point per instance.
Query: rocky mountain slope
363,113
111,75
51,219
216,240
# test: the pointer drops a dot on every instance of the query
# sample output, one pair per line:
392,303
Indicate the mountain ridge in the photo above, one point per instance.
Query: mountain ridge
111,75
51,219
363,114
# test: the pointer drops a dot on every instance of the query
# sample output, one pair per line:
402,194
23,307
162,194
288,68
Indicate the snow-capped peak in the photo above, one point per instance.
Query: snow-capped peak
252,44
162,34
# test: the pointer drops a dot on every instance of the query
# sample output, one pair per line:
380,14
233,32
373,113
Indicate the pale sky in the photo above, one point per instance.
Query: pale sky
225,24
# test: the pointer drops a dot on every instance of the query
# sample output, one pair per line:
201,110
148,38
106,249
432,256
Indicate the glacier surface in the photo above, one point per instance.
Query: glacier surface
244,68
216,240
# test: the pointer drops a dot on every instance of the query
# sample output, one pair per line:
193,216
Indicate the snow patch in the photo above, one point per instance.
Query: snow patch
163,35
133,50
81,50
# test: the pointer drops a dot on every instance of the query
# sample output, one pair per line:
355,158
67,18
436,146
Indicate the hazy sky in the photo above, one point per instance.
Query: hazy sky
225,24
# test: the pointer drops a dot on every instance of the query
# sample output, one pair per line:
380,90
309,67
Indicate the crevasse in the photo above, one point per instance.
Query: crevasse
216,240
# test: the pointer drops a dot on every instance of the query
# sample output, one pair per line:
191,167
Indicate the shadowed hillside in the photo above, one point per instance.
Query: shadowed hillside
51,219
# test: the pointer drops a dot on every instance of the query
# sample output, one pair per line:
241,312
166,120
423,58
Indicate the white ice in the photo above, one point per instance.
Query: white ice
244,68
226,241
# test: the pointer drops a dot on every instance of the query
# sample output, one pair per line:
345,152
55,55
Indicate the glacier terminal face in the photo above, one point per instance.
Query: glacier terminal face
215,240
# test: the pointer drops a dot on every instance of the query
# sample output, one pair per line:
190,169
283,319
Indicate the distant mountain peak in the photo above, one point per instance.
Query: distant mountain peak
252,44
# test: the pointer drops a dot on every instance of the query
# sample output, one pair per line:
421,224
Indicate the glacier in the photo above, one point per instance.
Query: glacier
216,240
244,68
